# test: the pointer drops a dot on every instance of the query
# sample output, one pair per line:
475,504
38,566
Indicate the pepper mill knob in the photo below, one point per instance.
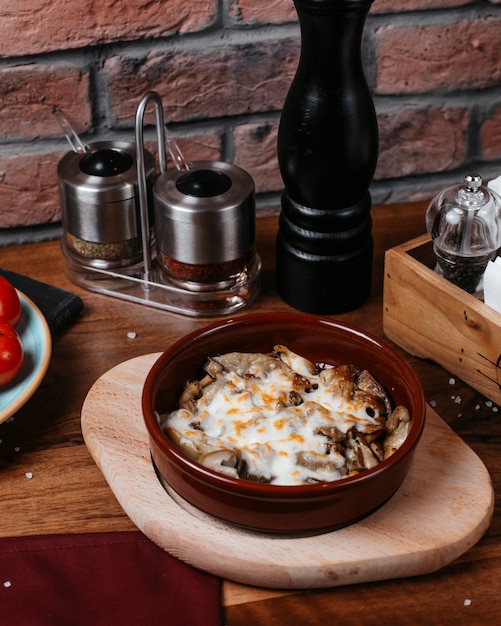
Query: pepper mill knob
472,182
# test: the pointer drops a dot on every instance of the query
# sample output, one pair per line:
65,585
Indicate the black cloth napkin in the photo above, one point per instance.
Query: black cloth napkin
102,579
58,306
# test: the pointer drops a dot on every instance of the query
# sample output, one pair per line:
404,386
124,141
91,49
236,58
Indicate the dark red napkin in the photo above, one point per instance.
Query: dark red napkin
102,579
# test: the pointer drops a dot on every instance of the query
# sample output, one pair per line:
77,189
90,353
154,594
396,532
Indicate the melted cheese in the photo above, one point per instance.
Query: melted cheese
252,415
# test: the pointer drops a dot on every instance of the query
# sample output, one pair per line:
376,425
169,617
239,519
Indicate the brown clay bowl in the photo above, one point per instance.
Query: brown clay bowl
272,508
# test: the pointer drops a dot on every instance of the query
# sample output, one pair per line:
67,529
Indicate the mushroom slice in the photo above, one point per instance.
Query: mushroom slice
398,426
213,368
366,382
339,380
359,453
372,432
368,456
296,362
322,466
377,450
247,363
221,461
217,386
332,432
191,393
294,398
194,444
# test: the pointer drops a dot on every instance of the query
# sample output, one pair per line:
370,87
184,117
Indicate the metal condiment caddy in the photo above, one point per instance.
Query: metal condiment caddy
183,241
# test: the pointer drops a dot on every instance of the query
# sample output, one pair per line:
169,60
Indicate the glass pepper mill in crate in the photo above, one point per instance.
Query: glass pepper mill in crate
464,222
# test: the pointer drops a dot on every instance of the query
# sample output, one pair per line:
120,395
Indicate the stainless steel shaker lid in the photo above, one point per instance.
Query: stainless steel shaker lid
205,215
99,191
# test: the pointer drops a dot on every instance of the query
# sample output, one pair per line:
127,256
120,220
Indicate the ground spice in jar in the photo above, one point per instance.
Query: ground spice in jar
205,277
127,250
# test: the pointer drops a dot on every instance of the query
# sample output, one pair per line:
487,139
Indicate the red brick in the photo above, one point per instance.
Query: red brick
490,134
240,79
201,147
397,6
262,11
194,147
256,152
28,190
28,93
425,141
65,24
438,56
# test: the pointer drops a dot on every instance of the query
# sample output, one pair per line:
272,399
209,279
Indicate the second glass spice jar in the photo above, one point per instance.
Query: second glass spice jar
205,227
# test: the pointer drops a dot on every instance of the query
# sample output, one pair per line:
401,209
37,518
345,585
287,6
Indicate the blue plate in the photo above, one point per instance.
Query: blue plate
37,346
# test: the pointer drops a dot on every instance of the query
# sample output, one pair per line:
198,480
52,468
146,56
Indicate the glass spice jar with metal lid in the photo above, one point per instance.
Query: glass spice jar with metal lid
206,261
205,226
464,222
100,207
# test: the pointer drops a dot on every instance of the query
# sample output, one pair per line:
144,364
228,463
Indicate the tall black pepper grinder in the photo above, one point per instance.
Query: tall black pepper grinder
327,152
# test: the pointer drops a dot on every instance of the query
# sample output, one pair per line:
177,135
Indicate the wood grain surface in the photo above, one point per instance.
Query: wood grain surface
67,492
423,527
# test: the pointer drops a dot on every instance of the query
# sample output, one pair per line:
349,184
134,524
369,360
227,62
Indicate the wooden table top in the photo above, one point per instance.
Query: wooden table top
68,494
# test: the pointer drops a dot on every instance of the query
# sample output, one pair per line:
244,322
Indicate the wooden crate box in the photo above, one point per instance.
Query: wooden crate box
431,318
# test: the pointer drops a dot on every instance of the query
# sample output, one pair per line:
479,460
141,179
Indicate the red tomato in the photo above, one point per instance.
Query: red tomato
10,307
11,354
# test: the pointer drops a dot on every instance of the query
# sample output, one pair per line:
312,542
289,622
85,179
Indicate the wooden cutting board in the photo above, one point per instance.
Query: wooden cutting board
442,509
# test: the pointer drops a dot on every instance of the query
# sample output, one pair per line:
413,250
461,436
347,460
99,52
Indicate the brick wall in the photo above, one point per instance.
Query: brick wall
223,68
